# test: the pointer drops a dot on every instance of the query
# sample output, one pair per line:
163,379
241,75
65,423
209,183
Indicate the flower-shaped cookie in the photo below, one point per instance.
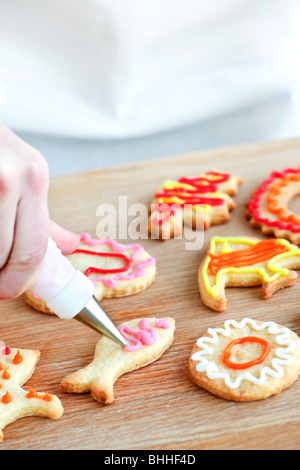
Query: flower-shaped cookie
246,360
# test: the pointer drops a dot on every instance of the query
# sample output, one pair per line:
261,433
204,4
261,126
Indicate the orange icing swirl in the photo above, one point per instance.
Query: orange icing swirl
262,251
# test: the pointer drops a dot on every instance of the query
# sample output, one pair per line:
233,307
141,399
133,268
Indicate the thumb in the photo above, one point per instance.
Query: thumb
66,241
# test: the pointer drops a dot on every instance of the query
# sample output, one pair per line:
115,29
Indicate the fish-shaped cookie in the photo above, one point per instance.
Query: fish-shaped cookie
242,262
148,338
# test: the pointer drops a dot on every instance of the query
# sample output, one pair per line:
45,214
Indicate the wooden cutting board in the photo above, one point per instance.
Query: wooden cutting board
157,407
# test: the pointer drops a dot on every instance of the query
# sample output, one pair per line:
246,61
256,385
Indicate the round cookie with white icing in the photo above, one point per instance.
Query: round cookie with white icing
246,361
116,270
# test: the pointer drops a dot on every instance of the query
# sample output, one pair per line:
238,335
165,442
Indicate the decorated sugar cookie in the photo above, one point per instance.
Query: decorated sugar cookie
197,202
116,270
147,338
16,367
268,208
242,262
245,361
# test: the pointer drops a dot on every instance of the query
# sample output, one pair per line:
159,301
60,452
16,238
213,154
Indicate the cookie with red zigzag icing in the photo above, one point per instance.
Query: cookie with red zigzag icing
197,202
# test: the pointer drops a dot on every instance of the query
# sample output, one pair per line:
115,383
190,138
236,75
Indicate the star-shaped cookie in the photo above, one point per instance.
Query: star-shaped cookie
16,368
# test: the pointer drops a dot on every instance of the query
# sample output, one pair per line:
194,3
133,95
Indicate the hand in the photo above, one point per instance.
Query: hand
24,216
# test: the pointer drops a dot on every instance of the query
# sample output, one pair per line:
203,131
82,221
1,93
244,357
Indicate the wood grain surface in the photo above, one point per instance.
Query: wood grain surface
157,407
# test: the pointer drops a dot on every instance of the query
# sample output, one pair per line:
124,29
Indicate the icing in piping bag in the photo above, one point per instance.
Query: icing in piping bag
70,294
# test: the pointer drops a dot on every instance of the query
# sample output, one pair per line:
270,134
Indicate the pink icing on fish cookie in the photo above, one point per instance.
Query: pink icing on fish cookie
146,336
148,343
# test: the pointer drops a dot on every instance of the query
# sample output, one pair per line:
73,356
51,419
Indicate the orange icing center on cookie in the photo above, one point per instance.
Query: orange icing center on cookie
273,205
262,251
248,339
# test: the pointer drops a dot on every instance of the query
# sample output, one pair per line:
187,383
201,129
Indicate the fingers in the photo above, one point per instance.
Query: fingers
30,237
24,217
8,209
66,241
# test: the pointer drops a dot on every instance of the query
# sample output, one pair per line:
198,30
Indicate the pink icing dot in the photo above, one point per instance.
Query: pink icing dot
6,351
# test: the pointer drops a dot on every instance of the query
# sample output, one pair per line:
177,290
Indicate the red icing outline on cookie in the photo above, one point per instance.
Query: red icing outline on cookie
139,268
92,269
253,206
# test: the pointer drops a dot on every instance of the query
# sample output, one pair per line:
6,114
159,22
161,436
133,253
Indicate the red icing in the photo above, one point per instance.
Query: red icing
199,187
165,208
190,196
6,351
107,255
256,199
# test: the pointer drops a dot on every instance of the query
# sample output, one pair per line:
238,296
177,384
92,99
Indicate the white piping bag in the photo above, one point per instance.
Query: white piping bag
70,294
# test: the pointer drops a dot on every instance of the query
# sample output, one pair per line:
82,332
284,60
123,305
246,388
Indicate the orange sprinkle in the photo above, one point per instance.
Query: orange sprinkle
262,251
47,397
18,358
1,367
6,374
32,393
6,398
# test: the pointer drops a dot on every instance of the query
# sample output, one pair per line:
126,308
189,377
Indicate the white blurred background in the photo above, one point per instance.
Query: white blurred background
98,83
